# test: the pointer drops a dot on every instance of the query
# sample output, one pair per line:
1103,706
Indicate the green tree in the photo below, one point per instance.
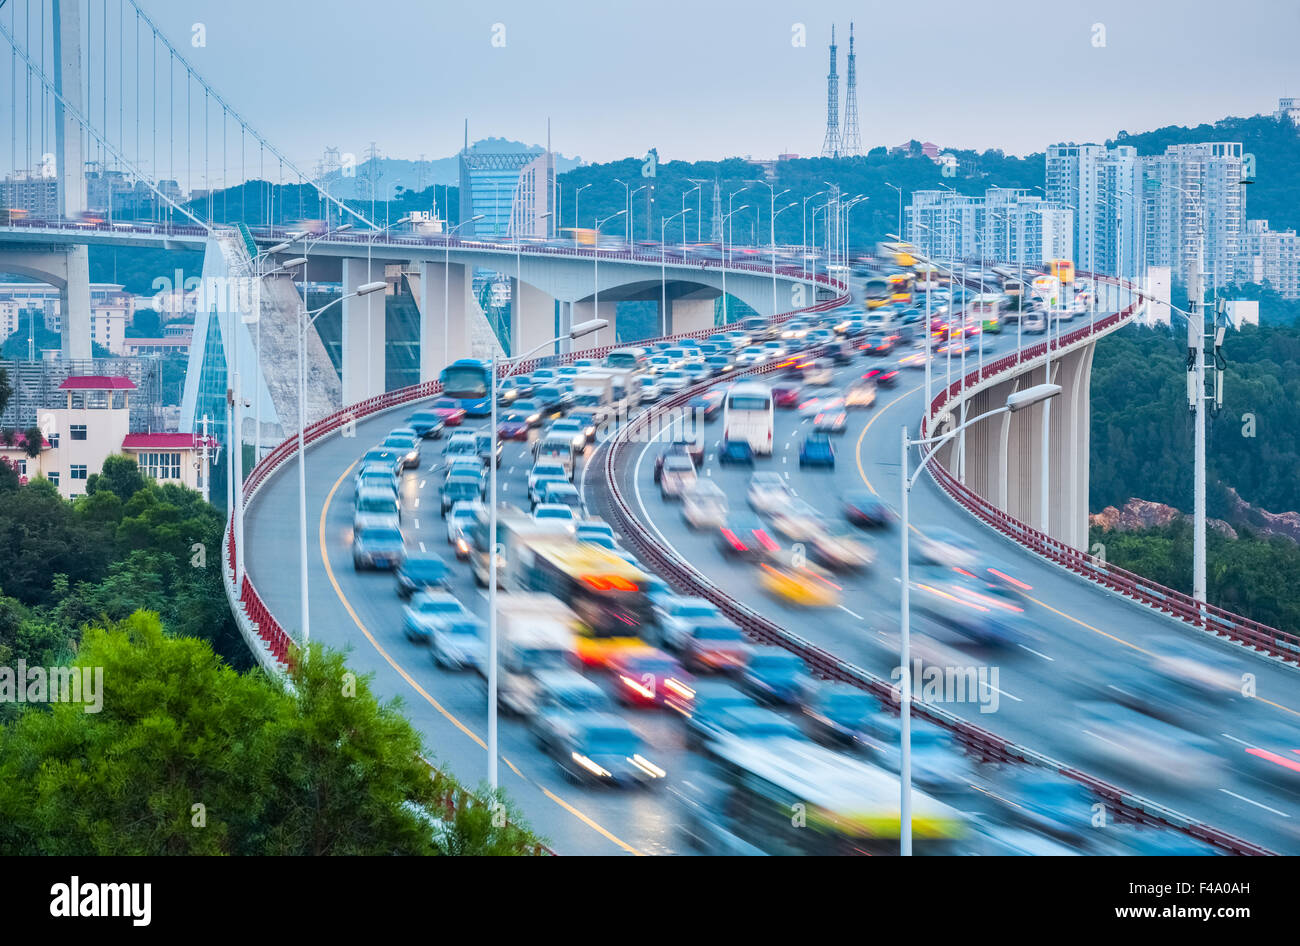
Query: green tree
186,756
119,475
33,442
6,390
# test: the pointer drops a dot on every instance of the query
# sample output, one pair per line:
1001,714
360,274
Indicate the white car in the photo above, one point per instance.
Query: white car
540,470
945,547
678,615
650,390
458,642
678,475
674,380
460,518
768,492
427,610
754,355
704,506
472,466
556,513
796,520
860,394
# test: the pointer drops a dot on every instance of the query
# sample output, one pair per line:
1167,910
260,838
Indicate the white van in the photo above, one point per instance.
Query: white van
555,449
748,415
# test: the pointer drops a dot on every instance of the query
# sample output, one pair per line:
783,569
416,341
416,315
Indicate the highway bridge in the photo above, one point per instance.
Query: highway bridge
1082,629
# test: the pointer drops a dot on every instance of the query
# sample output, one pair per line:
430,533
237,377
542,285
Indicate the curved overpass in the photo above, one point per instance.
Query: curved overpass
361,613
1079,626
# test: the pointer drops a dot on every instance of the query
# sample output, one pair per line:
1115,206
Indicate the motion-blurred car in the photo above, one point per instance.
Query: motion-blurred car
842,715
744,535
461,488
651,678
662,458
426,423
462,443
380,547
1145,749
458,642
878,344
422,571
714,646
560,693
428,609
572,427
831,422
557,513
786,395
708,404
736,452
531,410
677,476
803,586
448,411
860,394
885,377
712,699
816,450
394,460
704,505
755,722
677,614
776,676
513,426
939,766
945,547
836,547
376,507
768,492
406,442
985,614
914,360
797,520
864,509
601,748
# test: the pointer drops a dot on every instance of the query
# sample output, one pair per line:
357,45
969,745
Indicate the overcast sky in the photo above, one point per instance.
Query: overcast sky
723,78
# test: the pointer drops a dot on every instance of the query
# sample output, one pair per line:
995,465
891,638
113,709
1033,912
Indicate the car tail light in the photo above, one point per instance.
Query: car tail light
732,538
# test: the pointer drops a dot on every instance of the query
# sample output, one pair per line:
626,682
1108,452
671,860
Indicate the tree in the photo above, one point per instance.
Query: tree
119,475
186,756
33,442
6,390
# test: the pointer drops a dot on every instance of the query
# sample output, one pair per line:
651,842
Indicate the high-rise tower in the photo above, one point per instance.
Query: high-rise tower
831,146
851,143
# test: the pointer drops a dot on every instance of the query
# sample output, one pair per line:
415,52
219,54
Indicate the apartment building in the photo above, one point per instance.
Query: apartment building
1006,225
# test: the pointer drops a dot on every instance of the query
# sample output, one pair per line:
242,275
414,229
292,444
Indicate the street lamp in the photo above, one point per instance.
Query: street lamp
663,271
577,331
725,223
307,319
793,203
1015,402
773,194
848,208
576,195
699,209
805,227
595,256
900,205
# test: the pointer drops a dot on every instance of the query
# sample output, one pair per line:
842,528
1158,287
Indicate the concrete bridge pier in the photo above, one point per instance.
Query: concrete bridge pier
444,333
534,319
364,331
691,313
587,310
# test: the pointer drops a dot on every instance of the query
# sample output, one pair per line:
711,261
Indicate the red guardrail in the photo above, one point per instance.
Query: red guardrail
984,744
1234,627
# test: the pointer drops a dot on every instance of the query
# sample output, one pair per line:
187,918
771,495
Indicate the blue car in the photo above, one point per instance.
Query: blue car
816,451
736,451
773,675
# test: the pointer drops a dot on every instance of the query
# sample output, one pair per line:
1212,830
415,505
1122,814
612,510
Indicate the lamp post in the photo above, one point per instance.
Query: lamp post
595,256
793,203
631,226
805,227
1015,402
663,270
446,283
306,320
698,210
848,208
576,194
900,206
725,221
773,194
577,331
929,334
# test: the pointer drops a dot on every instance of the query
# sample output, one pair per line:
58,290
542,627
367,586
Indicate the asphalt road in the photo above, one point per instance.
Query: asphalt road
1079,629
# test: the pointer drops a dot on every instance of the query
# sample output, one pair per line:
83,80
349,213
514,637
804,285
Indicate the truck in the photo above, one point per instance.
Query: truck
514,528
535,633
593,388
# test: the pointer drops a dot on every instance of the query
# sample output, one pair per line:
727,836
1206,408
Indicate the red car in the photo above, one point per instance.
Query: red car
450,412
886,378
785,395
513,427
651,678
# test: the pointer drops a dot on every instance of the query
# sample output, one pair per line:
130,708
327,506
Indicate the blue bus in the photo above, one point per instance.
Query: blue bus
466,381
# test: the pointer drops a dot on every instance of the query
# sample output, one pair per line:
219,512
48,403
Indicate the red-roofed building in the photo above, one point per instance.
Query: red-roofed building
95,425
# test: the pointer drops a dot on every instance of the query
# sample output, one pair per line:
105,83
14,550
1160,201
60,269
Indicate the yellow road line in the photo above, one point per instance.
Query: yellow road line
1096,630
401,671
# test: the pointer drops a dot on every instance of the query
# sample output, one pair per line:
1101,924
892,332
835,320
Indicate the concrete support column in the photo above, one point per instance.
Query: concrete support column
74,301
533,318
444,335
364,332
689,315
565,324
585,312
